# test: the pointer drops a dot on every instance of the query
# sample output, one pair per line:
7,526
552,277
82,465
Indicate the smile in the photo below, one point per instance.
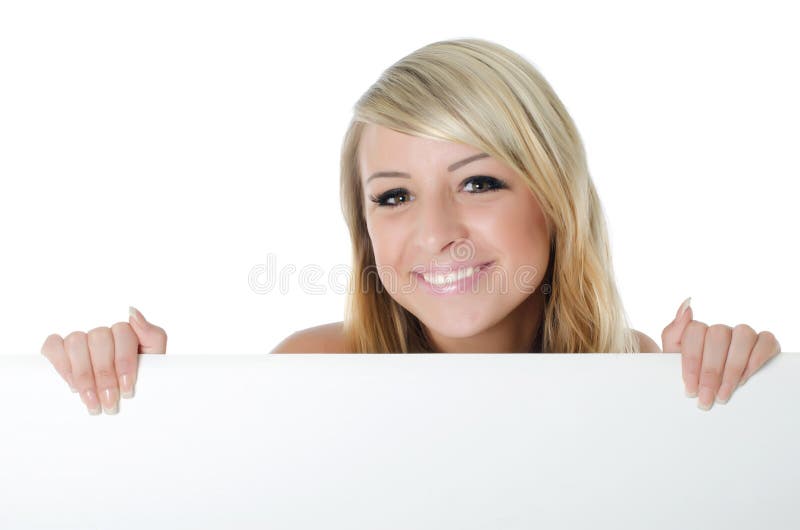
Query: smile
446,279
457,282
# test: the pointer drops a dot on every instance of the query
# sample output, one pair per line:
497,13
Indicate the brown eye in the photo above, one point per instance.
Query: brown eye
483,183
392,195
399,196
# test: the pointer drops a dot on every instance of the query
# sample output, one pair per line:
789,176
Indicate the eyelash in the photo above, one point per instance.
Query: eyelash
392,194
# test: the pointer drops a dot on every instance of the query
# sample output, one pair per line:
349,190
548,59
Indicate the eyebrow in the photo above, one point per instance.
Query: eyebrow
452,167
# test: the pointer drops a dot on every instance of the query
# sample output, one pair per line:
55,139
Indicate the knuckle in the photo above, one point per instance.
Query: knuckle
767,335
53,337
719,330
83,379
105,373
98,332
120,326
125,366
745,329
735,366
50,343
719,327
74,338
738,372
696,326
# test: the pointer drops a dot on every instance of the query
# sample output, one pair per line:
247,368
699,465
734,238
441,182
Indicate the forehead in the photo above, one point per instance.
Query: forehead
382,148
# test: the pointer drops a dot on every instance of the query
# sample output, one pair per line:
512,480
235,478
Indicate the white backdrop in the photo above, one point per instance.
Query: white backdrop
153,153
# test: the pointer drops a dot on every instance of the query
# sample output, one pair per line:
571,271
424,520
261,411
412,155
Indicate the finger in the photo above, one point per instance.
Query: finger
766,348
152,339
742,342
101,351
692,355
672,334
126,358
77,348
53,350
715,352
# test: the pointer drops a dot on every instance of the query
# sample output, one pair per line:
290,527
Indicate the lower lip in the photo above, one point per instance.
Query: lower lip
462,286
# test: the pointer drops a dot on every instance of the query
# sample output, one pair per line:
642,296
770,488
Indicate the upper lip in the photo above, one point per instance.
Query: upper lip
448,268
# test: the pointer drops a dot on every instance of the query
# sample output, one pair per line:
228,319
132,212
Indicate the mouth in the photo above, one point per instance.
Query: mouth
447,283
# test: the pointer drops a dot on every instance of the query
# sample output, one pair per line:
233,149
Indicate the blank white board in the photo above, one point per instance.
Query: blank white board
419,441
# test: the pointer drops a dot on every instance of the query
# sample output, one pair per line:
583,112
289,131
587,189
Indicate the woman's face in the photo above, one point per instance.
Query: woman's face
442,215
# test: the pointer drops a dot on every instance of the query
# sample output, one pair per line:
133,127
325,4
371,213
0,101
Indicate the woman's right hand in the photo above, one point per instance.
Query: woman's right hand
102,361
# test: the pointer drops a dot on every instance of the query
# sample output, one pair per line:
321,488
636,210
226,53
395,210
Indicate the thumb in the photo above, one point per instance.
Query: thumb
672,334
152,339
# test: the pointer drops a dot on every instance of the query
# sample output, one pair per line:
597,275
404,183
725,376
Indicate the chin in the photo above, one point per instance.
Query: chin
458,324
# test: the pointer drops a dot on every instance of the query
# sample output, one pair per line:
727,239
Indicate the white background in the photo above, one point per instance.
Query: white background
153,153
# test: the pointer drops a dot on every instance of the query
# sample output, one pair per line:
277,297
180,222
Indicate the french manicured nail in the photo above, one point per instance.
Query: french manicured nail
110,398
684,306
126,385
690,394
706,398
92,403
137,315
724,393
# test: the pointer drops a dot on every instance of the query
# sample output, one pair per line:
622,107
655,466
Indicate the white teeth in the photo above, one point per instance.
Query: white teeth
444,279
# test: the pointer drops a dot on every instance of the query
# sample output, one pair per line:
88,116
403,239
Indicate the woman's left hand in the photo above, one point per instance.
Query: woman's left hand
716,358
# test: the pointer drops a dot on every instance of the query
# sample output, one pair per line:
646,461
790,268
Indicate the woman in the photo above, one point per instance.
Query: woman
475,226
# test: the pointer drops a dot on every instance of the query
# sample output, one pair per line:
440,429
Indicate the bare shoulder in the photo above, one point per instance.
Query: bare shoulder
325,338
646,344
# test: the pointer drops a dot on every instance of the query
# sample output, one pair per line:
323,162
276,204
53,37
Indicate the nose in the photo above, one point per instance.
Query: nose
439,225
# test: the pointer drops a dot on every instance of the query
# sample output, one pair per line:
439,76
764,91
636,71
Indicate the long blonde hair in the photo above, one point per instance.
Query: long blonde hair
482,94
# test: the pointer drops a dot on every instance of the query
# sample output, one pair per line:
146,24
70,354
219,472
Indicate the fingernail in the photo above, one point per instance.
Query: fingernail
690,394
137,315
684,306
127,386
71,384
92,403
110,400
724,393
706,398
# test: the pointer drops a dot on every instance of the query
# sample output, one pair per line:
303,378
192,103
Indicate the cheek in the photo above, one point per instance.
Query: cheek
505,228
384,245
387,247
520,230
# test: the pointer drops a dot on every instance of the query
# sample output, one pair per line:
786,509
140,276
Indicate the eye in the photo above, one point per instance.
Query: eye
480,184
486,183
390,195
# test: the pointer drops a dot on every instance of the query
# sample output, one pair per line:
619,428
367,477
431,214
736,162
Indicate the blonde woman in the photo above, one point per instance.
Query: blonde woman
475,227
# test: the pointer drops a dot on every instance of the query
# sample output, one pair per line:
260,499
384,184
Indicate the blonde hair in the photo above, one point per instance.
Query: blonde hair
482,94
